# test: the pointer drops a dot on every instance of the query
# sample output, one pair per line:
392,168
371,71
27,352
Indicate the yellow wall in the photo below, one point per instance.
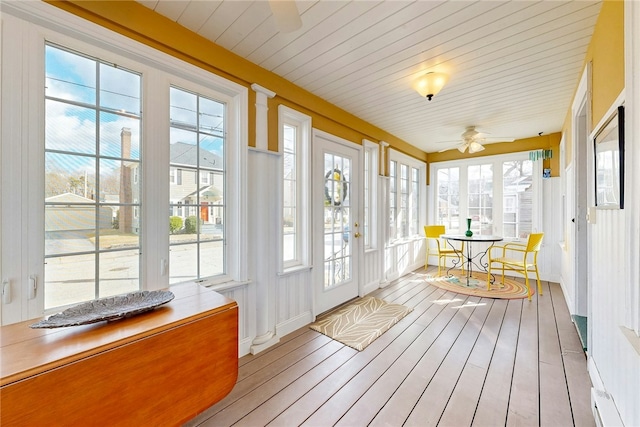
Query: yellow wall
142,24
606,53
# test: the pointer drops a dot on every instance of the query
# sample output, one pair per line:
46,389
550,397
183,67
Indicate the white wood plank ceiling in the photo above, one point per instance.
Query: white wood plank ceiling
513,65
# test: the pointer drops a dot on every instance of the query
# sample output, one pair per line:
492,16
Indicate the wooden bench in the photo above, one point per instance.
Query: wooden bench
162,367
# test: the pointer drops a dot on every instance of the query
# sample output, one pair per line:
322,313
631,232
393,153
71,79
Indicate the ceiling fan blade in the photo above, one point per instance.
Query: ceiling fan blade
498,139
286,14
463,147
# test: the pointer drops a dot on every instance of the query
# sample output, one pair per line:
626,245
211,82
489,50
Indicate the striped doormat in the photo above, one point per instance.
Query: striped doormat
359,323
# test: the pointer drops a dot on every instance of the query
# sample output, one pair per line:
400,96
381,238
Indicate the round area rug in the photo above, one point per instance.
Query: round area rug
456,282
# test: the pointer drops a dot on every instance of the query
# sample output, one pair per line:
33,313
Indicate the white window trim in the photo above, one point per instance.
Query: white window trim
33,23
402,158
303,207
463,164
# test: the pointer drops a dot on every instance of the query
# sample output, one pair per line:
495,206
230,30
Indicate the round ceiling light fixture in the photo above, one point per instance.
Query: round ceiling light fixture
430,84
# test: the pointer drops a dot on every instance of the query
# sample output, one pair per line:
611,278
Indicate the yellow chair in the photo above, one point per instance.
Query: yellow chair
442,249
529,261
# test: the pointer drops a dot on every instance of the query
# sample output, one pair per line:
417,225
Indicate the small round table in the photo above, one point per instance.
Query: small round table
468,258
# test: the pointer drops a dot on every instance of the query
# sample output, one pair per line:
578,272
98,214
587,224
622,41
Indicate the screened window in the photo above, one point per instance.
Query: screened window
91,163
197,146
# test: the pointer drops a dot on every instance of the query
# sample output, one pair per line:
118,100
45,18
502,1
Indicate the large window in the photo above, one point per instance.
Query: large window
88,178
406,195
498,193
197,140
92,190
294,141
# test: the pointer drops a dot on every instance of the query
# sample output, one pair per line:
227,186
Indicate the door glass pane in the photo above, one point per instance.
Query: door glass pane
337,221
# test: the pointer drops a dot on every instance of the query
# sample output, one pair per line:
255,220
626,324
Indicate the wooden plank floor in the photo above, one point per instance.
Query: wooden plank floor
454,360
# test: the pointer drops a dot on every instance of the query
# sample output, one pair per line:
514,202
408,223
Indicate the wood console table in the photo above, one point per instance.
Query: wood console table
162,367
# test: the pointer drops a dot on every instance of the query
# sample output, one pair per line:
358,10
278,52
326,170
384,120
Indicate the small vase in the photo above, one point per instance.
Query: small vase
468,233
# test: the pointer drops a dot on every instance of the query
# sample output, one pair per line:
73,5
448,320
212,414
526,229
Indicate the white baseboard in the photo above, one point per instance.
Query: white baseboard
294,323
244,347
565,293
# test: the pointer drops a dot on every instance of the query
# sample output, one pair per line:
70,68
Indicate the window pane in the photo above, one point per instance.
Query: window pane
69,76
119,272
92,208
197,195
69,280
211,258
69,175
517,193
480,198
119,90
183,261
69,229
449,198
393,217
70,128
119,136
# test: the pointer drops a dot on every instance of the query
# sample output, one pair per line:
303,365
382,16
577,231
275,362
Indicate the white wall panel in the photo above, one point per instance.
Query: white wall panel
293,301
551,252
240,295
404,257
618,364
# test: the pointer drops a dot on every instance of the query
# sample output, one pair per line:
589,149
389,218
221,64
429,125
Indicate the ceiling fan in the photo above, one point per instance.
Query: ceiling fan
286,14
472,139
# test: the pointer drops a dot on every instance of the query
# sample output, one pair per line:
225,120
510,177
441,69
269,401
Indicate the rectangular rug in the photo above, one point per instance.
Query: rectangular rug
359,323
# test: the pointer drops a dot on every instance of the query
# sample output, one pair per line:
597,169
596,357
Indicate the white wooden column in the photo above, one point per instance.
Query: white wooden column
383,165
261,223
262,126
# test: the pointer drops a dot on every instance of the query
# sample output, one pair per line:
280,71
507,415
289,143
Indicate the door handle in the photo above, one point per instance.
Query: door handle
356,235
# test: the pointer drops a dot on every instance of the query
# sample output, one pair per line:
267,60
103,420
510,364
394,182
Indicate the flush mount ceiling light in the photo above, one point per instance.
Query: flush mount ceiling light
430,84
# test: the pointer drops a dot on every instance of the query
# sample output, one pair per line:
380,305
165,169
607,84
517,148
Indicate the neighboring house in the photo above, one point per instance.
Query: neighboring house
69,212
193,193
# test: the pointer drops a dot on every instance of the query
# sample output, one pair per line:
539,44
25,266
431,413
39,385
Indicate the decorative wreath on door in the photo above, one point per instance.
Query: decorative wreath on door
335,194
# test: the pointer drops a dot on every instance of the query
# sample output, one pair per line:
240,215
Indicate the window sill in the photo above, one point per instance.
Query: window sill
293,270
218,287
